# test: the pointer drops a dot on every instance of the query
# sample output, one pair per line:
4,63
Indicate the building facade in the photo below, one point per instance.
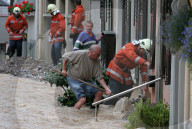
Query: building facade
129,20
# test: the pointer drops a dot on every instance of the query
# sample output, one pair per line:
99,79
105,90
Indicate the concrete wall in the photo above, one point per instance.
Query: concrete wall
4,38
4,35
95,17
180,93
30,50
69,6
117,22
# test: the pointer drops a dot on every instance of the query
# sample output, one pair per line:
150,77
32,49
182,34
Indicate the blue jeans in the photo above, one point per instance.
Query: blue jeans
80,89
15,44
117,87
56,52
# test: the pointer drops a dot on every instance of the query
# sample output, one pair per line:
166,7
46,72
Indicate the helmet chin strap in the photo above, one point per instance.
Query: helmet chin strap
55,12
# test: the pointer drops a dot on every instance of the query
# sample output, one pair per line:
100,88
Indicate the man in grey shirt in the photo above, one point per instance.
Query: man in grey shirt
84,65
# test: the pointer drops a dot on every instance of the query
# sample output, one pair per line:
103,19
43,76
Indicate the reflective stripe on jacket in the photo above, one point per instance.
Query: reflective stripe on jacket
57,29
129,57
15,25
77,17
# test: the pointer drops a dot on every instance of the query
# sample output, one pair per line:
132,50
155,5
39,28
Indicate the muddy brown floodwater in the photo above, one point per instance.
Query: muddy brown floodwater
30,104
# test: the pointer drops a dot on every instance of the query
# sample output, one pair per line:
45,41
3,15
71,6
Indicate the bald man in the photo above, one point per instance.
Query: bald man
84,65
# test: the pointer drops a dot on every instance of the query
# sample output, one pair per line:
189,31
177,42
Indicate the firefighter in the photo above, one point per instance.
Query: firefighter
16,24
77,17
131,55
56,33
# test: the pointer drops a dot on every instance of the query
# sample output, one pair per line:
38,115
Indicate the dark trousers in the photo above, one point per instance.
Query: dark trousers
117,87
15,44
75,36
56,52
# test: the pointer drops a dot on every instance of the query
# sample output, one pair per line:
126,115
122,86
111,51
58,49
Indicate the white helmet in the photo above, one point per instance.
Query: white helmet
51,8
16,10
145,43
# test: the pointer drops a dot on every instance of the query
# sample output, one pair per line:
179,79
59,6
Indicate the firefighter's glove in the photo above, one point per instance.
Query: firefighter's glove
146,63
10,33
21,32
57,34
50,34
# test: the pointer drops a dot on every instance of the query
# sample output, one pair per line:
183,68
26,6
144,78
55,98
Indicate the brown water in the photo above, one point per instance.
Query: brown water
27,104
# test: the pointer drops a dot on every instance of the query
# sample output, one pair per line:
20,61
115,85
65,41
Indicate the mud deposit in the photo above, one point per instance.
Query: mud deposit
30,104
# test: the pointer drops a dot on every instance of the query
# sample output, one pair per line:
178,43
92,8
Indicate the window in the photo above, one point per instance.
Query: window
106,15
126,21
51,2
166,54
140,18
62,6
108,42
152,34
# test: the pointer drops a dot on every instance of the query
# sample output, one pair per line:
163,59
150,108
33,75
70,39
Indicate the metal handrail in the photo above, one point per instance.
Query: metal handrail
124,92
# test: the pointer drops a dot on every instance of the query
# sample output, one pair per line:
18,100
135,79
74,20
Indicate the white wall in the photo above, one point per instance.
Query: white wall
117,22
95,17
3,32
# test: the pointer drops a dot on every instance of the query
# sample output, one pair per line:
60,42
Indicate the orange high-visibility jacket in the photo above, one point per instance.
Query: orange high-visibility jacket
57,29
77,17
129,57
15,25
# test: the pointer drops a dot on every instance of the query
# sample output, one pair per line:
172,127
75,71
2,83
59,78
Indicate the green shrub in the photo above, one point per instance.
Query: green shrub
144,115
134,119
156,115
68,98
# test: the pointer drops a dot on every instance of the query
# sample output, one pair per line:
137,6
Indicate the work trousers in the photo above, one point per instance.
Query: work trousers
75,36
15,44
56,52
116,87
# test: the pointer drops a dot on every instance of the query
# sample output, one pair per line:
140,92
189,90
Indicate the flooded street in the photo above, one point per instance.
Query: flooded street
28,104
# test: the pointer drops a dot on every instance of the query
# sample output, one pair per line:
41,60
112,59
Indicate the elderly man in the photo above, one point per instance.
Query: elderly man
84,65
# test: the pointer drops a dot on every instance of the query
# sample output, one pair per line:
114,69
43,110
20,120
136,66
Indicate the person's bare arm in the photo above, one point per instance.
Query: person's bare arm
64,71
104,85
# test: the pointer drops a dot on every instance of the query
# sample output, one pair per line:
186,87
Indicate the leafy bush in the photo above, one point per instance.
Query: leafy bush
155,116
134,119
67,99
148,116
